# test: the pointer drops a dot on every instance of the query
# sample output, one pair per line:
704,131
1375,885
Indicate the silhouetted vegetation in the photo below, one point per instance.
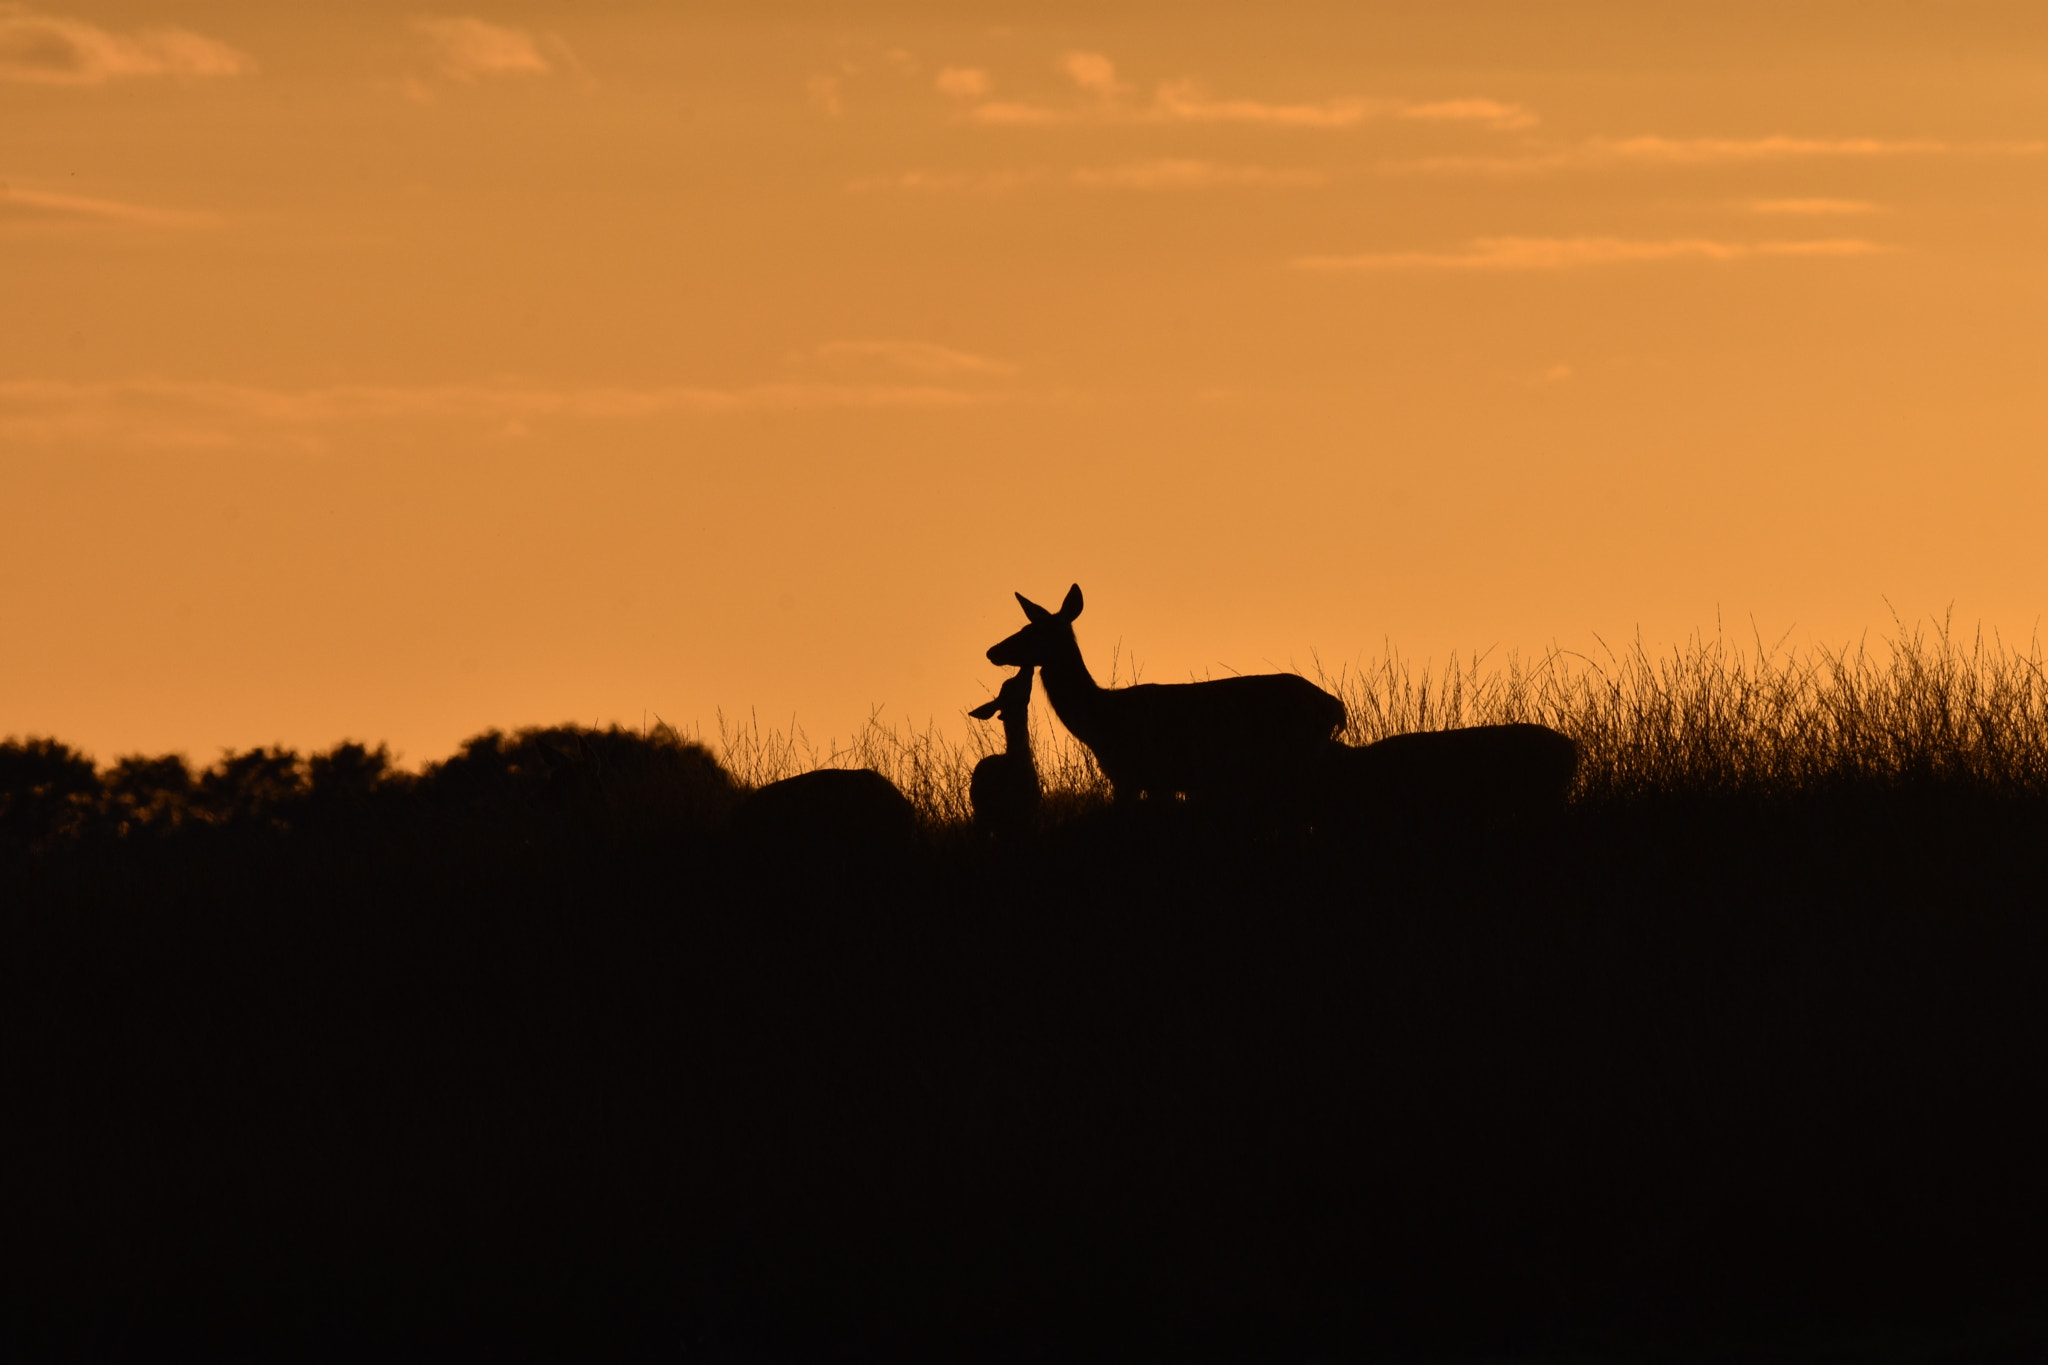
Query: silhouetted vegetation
542,1048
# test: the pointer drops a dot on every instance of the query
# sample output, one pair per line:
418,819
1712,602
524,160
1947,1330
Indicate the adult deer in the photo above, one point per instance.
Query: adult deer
1260,736
1487,774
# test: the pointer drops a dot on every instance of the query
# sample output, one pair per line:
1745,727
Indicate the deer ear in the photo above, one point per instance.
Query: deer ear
1033,613
1071,608
987,710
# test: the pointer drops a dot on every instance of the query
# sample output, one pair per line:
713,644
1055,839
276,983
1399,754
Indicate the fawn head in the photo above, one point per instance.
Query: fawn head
1049,633
1012,698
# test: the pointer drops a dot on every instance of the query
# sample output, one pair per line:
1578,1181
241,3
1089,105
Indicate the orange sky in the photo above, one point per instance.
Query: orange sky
386,372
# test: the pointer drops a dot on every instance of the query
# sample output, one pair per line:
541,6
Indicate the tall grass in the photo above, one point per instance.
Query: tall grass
1710,716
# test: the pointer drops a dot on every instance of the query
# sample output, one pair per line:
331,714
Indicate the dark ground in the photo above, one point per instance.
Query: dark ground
1693,1079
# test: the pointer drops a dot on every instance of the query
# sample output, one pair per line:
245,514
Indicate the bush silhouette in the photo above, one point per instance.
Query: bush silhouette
147,797
254,789
48,794
605,784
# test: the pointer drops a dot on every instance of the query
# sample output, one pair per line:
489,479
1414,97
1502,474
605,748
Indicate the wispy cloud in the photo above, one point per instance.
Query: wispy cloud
1565,253
1812,208
1601,152
963,82
1101,96
1093,72
19,205
470,49
1170,173
48,50
953,182
1186,102
159,412
916,357
1698,151
1486,113
1010,113
1176,174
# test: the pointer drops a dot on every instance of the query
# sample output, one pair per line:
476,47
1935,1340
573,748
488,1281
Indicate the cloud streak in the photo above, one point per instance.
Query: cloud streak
1486,113
471,49
40,206
1812,208
1180,174
160,412
1185,102
952,182
1501,254
44,49
1104,98
1163,174
963,82
916,357
1647,151
1703,151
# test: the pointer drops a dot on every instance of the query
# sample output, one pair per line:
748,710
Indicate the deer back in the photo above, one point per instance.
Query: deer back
1204,736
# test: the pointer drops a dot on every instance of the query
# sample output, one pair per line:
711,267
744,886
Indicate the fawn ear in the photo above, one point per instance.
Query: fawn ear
987,710
1033,613
1071,608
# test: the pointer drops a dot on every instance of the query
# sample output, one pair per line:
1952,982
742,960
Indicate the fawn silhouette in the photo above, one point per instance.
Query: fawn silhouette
1004,790
1230,739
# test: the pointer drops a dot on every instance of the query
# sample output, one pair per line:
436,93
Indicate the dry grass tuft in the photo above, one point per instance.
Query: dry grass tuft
1714,718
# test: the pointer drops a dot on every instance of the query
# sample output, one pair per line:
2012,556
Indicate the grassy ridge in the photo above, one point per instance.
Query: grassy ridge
523,1051
1708,718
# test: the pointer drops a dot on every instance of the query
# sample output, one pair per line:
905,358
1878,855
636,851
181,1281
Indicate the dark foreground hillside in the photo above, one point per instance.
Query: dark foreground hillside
324,1061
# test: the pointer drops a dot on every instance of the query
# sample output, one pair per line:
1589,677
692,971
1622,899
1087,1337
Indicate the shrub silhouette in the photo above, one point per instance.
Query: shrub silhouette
607,784
147,797
48,794
254,789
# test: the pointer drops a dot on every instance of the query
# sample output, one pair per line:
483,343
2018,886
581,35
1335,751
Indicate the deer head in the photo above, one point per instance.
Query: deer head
1049,635
1012,698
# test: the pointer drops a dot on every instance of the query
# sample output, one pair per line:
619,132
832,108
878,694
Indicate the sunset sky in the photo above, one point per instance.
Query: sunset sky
386,372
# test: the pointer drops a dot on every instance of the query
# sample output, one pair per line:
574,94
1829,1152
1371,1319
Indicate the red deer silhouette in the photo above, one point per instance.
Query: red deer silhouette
1004,788
1231,738
1485,772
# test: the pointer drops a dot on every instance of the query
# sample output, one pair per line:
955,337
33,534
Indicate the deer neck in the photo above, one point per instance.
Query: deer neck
1016,737
1017,734
1072,690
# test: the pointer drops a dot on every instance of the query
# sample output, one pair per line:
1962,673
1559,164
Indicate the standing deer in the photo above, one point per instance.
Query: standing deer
1229,739
1004,789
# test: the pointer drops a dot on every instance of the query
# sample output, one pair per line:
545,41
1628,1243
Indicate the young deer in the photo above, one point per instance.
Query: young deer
1004,789
1262,736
